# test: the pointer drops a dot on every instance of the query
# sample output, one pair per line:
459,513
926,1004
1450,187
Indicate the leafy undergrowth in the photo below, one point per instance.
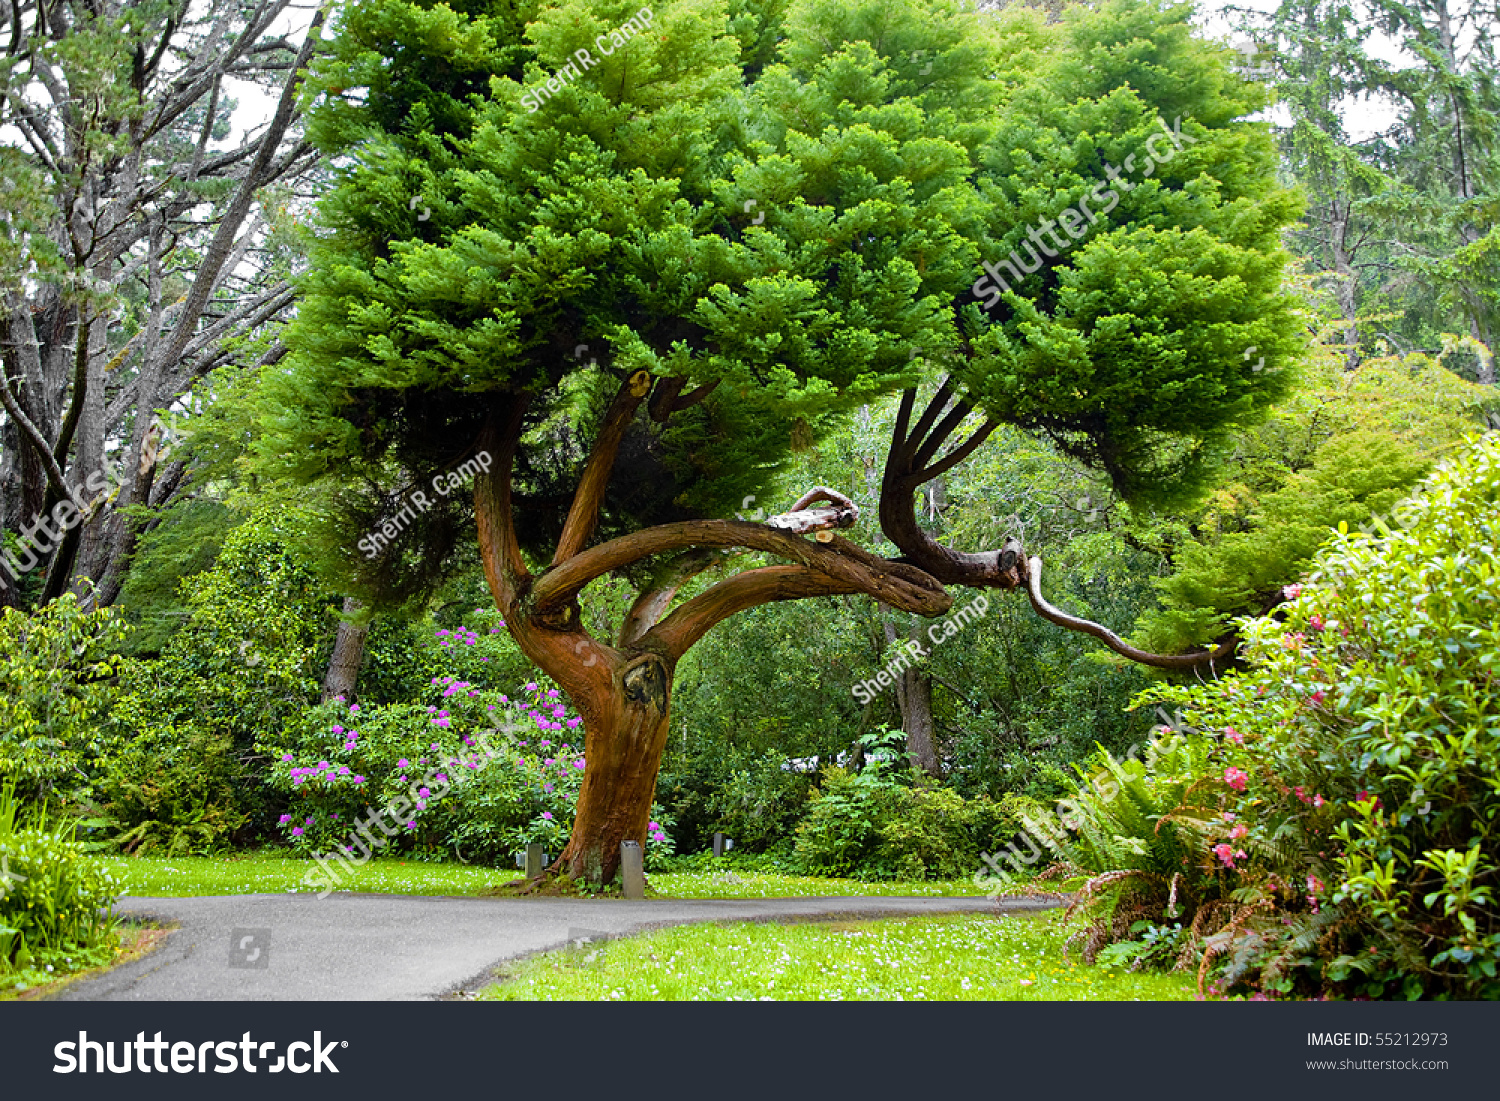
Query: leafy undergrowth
971,957
257,873
130,941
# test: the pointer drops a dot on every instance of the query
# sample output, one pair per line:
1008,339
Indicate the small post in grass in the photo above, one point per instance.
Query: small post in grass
535,861
718,845
632,870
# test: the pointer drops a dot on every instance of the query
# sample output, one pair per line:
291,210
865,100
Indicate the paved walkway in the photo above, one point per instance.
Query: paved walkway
394,947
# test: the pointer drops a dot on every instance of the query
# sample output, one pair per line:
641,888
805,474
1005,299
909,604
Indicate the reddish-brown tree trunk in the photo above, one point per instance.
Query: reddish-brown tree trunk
624,699
624,747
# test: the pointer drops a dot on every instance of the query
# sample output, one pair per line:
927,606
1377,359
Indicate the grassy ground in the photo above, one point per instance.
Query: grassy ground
971,957
255,873
129,941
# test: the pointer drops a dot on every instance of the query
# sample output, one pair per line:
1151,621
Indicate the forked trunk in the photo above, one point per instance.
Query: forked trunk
623,697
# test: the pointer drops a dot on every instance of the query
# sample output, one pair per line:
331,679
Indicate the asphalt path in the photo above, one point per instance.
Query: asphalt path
349,947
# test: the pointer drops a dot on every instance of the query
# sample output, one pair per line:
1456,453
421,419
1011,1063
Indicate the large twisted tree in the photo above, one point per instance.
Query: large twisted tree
718,234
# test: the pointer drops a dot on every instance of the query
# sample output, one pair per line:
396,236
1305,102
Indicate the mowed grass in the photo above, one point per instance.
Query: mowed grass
970,957
770,885
256,873
262,873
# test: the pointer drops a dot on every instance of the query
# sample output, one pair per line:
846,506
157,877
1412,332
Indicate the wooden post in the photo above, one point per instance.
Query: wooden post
534,861
632,870
718,845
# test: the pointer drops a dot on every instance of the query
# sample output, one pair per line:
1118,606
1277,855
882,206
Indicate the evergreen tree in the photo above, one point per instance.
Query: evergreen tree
621,264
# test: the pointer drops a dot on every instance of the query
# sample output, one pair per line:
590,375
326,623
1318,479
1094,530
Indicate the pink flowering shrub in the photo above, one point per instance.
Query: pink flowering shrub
1365,763
474,775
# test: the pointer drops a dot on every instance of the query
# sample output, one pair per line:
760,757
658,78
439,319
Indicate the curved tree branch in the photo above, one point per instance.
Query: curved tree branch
838,558
504,568
1053,614
679,631
583,516
655,597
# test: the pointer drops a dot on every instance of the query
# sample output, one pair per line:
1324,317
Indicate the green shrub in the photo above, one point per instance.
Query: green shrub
867,825
54,900
750,796
1365,738
56,680
181,791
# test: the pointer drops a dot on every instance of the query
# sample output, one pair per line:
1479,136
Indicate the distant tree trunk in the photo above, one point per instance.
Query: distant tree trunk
1346,286
1486,373
914,697
348,654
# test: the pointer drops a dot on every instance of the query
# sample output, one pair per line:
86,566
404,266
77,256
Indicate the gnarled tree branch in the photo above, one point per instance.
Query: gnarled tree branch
583,517
1053,614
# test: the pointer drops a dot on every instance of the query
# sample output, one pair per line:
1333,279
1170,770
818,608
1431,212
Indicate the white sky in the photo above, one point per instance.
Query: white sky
1362,117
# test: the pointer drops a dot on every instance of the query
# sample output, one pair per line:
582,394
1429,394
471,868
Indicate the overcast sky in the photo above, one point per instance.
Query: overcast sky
1216,18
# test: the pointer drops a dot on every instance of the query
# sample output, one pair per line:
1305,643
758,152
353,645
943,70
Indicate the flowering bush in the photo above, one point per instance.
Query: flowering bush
476,773
1362,746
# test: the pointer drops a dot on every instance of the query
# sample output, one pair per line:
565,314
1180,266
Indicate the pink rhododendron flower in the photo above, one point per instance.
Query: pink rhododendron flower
1235,778
1238,832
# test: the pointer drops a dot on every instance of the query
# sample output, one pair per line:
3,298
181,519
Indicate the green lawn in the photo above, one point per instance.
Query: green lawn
971,957
256,873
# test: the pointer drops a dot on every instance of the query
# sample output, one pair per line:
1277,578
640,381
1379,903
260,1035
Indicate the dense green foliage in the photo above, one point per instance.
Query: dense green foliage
56,669
1349,784
886,186
870,825
54,899
800,205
